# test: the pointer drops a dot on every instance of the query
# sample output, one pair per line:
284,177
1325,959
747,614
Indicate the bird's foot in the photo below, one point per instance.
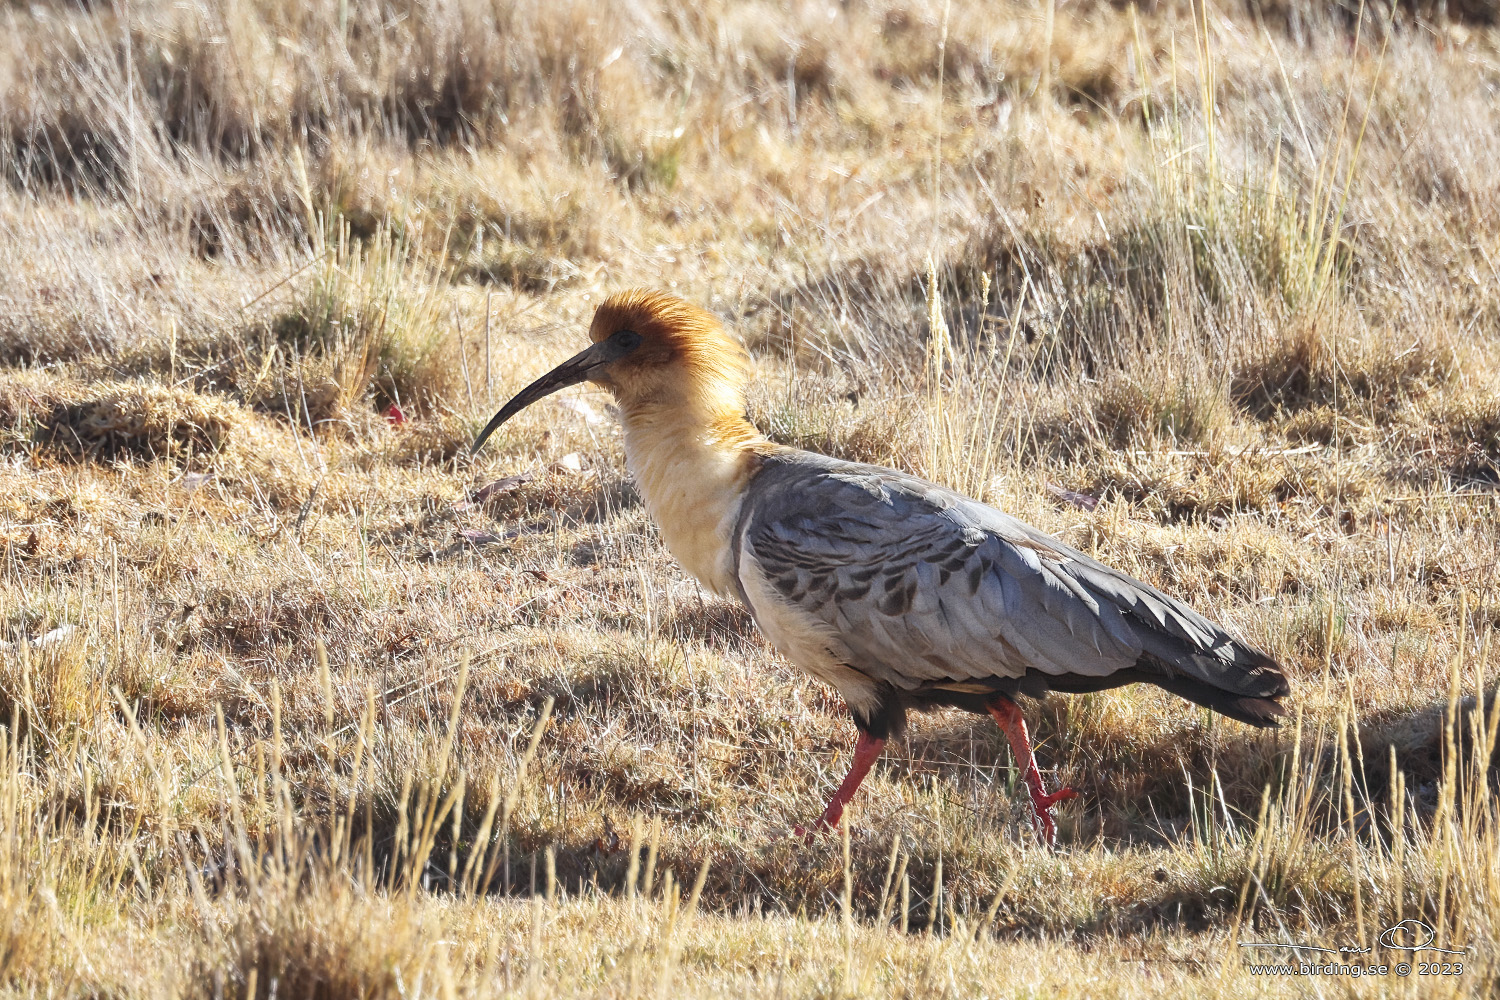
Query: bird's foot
866,752
1041,802
1041,812
826,823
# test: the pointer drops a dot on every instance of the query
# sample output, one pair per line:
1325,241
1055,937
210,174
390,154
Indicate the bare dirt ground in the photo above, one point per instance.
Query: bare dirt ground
299,699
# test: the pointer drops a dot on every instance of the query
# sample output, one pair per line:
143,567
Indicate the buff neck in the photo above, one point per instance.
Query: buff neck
692,470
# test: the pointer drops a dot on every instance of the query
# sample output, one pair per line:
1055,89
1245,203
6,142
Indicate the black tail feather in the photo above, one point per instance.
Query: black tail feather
1255,711
1262,686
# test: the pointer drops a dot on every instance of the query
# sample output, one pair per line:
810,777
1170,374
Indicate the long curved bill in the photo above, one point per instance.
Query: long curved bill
578,368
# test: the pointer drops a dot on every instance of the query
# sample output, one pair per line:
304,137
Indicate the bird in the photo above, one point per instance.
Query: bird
899,593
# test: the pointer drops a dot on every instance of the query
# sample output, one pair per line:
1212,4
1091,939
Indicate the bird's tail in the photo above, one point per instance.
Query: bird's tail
1185,653
1250,694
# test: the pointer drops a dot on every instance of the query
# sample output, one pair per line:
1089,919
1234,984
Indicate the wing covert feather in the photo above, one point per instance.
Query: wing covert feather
925,586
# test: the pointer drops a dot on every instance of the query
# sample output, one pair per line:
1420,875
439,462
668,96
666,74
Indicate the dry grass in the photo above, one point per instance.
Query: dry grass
1209,294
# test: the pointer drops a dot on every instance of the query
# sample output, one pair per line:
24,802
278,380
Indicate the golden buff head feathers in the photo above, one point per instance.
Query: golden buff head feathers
686,358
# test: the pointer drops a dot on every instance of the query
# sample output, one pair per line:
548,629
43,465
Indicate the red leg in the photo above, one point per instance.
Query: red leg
1010,719
866,752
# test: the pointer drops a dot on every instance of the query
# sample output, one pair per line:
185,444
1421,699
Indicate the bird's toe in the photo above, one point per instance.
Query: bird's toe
1040,801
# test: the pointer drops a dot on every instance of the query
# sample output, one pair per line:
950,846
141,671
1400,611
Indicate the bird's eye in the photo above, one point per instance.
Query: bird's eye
628,340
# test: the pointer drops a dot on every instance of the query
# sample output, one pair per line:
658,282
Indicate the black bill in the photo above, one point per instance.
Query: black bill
578,368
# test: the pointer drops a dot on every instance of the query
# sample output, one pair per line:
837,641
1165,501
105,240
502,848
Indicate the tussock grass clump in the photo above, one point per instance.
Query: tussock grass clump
356,332
829,414
1469,432
1306,367
57,329
143,423
292,942
146,423
54,689
1184,409
1206,485
25,945
519,265
28,935
294,196
94,79
1176,270
261,619
112,420
513,228
435,439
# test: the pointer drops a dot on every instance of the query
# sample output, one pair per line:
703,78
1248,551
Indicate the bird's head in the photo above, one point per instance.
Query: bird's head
653,351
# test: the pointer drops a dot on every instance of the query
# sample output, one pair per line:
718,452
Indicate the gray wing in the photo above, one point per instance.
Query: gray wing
928,588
